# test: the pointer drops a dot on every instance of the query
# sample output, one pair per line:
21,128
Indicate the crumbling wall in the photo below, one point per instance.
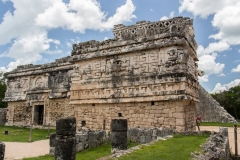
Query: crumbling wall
146,135
84,139
210,110
216,147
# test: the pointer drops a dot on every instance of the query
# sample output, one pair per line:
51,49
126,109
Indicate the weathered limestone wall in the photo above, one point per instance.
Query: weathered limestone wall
38,94
210,110
147,74
175,114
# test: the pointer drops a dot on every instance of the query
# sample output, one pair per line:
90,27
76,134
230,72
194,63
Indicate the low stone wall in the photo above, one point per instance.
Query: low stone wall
216,147
3,113
90,139
143,136
84,139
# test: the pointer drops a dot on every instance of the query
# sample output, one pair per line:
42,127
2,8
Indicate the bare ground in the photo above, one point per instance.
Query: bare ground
17,151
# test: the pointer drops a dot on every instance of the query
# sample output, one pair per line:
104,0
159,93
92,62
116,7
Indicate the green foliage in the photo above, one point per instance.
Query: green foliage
230,100
3,88
21,134
178,147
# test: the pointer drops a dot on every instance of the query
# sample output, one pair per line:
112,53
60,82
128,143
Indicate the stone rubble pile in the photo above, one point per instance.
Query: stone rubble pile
216,147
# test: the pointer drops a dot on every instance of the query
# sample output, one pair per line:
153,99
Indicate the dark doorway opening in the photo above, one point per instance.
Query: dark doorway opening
38,114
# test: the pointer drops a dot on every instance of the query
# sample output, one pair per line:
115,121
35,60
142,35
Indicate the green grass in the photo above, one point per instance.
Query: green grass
21,134
178,147
88,154
219,124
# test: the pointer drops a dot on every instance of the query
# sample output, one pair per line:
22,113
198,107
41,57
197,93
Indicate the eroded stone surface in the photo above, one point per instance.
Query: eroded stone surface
147,74
210,110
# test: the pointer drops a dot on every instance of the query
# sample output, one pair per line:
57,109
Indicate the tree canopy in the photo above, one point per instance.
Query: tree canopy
230,100
3,88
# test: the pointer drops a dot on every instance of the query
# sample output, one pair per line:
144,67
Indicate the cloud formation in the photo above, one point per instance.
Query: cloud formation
236,69
225,20
26,29
224,87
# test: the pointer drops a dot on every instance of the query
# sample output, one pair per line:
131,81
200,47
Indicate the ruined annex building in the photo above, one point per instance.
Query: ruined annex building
147,74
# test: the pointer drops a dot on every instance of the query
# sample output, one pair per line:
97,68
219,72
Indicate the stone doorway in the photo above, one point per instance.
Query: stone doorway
38,114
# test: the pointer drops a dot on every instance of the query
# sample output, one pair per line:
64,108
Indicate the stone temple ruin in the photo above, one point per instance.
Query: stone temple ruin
146,74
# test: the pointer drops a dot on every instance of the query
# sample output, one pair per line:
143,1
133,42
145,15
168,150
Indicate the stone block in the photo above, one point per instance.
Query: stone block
65,148
52,151
178,115
142,140
180,121
66,126
119,125
52,140
2,151
119,140
148,139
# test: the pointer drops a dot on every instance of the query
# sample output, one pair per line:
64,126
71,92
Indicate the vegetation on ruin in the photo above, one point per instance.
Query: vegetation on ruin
21,134
230,100
219,124
3,88
178,147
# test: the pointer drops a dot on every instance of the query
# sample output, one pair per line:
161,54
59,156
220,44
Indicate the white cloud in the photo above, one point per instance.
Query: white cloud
236,69
106,38
213,47
26,30
171,15
219,87
81,15
209,66
225,13
221,75
207,59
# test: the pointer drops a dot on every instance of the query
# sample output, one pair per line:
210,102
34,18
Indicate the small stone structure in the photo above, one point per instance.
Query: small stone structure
2,151
210,110
119,128
84,139
216,147
147,135
146,74
65,148
3,113
90,139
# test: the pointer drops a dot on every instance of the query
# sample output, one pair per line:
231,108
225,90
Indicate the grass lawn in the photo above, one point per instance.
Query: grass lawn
18,134
219,124
178,147
88,154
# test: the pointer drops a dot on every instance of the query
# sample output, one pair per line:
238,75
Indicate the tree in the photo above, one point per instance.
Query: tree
230,100
3,89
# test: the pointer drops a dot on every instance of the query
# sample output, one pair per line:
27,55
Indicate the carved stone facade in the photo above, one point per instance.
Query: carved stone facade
147,74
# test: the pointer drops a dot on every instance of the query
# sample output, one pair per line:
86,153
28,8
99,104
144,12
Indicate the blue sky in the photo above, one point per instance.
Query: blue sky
40,31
